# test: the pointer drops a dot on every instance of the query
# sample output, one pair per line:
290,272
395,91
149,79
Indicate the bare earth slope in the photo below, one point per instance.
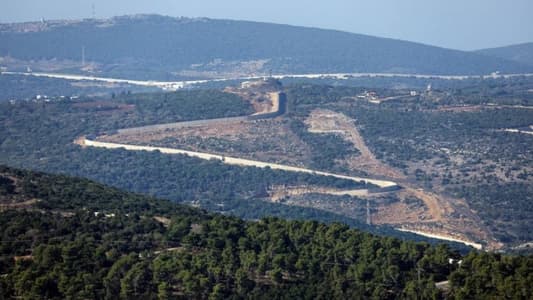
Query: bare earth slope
237,141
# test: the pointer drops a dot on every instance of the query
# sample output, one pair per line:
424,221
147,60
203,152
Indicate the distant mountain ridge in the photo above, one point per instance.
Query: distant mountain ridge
158,46
521,53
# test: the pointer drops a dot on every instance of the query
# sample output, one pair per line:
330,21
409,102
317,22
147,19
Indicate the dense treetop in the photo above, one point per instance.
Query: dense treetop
79,239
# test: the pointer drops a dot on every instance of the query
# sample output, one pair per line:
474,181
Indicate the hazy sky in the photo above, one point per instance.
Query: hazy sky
459,24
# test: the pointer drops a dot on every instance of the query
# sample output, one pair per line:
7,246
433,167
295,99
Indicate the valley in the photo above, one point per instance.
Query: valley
154,156
272,142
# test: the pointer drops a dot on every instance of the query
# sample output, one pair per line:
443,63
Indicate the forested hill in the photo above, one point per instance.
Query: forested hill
150,45
521,53
72,238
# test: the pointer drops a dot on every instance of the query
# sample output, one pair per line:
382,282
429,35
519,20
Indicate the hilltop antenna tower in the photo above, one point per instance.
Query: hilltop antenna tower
93,7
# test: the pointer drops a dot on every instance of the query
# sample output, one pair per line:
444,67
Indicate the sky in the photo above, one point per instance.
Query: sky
457,24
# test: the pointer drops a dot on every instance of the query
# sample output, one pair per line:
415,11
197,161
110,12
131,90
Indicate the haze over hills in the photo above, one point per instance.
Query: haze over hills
158,47
521,53
199,176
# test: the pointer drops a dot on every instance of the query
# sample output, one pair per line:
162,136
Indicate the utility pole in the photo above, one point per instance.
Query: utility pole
82,56
418,282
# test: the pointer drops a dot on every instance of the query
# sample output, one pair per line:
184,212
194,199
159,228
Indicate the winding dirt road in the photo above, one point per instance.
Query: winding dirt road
439,210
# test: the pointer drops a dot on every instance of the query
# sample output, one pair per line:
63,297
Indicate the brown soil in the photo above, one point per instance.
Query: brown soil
327,121
277,193
265,140
18,205
273,141
440,213
398,213
261,94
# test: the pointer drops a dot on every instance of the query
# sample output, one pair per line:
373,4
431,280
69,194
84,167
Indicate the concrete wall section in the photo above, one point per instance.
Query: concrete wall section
236,161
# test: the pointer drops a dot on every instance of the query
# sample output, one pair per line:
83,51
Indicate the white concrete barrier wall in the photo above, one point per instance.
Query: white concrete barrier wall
235,161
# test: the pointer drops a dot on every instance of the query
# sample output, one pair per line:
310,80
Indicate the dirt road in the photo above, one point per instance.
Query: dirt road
327,121
439,209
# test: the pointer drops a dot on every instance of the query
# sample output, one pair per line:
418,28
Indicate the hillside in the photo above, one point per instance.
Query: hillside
434,145
521,53
157,47
210,184
72,238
